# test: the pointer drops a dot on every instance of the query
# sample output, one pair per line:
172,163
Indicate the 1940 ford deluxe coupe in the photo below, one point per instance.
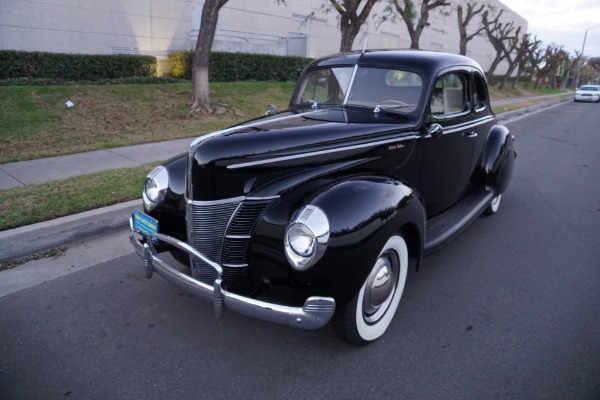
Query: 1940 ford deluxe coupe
312,214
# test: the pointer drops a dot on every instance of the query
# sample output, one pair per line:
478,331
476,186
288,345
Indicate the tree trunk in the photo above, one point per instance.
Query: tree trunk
517,78
206,34
493,67
462,47
347,41
528,81
349,31
414,42
462,29
539,78
463,23
509,72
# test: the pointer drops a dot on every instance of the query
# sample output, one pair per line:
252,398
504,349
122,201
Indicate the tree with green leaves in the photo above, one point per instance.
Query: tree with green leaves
555,56
593,65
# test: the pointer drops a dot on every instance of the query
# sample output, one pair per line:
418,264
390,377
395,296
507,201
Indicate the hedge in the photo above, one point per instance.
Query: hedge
39,68
73,67
134,80
232,67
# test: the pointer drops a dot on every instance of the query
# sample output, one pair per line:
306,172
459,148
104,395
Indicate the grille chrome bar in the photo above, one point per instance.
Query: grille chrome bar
222,231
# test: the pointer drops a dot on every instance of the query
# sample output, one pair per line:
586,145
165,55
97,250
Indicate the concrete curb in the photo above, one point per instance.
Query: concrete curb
58,232
526,110
19,242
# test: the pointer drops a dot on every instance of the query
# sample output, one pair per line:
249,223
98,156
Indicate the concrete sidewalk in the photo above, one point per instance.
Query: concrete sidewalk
53,168
22,241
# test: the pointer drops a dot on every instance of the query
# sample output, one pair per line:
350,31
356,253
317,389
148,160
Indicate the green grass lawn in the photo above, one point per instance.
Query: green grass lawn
34,203
36,123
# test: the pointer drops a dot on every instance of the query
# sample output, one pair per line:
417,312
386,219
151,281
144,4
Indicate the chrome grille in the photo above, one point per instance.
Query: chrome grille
222,232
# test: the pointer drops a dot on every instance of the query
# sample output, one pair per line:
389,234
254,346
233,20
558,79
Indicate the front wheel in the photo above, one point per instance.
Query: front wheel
367,316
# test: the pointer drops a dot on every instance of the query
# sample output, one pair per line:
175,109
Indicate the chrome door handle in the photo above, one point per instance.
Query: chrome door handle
471,134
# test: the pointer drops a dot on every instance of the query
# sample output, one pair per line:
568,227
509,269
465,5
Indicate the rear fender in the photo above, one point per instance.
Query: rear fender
497,160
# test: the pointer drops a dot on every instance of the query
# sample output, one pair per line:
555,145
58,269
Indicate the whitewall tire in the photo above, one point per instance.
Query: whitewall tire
494,205
367,316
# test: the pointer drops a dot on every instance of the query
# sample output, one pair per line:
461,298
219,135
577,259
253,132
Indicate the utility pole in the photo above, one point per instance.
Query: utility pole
581,56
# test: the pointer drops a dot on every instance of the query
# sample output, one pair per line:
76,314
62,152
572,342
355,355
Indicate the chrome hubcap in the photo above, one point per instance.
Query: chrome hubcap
380,286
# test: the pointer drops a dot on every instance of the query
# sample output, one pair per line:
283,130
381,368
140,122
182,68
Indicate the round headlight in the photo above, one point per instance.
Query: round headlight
301,240
151,190
155,187
306,237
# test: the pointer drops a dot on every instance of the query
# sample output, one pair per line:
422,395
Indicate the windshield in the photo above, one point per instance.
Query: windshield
594,88
376,88
325,86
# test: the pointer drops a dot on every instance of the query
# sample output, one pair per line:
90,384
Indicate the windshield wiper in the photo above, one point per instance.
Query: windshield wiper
392,109
313,103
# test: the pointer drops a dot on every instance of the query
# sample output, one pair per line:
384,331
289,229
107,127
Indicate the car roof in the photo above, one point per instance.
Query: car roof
426,61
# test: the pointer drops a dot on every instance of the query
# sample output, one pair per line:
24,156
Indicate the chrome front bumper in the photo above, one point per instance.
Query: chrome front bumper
315,312
587,98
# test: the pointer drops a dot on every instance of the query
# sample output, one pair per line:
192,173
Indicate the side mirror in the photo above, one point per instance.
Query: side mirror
270,110
435,131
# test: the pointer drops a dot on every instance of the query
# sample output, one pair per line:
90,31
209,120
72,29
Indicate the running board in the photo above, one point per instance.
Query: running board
445,226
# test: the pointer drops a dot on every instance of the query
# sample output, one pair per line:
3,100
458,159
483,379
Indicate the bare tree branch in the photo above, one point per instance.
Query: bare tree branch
351,20
464,21
498,34
416,24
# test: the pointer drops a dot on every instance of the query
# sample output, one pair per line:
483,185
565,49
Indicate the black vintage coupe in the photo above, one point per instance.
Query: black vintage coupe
312,214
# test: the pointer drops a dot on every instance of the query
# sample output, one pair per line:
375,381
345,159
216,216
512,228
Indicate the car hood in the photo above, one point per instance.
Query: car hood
243,159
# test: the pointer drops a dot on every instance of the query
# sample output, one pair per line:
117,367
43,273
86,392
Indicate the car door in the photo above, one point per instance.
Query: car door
449,143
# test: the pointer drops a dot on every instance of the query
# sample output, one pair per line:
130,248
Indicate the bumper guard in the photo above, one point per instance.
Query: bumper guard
314,314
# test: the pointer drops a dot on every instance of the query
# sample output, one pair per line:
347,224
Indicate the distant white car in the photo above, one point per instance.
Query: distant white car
588,93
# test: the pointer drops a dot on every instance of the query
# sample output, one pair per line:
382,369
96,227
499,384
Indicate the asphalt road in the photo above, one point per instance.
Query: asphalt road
509,310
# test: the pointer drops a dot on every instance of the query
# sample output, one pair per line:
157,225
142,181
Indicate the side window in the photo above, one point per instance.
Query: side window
479,92
449,95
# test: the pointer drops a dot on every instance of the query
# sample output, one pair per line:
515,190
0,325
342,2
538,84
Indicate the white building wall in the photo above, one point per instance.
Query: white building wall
156,27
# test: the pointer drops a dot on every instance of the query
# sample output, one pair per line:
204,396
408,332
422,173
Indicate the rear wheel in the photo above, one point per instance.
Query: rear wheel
367,316
494,205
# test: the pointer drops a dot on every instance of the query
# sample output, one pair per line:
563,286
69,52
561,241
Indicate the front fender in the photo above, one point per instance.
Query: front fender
171,212
497,160
363,212
359,208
